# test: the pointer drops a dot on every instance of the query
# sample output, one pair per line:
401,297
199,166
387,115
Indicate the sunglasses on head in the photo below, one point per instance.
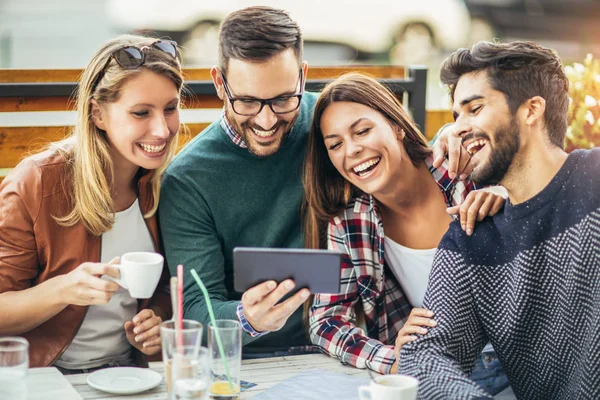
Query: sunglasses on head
132,57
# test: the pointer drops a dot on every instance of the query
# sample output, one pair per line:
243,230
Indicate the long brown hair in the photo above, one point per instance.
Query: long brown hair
327,193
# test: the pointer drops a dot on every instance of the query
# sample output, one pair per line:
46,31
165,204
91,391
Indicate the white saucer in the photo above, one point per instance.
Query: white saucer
124,380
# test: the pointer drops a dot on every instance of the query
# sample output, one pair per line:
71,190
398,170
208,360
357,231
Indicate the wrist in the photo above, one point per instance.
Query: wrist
246,325
57,285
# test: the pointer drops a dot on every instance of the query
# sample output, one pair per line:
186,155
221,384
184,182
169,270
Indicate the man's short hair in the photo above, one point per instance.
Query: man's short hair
520,70
256,34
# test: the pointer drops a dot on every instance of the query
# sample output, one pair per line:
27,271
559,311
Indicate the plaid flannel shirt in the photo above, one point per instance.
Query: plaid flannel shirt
357,233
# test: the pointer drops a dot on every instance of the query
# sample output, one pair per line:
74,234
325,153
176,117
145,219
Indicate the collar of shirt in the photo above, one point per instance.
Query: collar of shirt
233,135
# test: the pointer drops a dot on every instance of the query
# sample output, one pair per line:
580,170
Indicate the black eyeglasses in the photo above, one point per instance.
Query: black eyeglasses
131,57
250,107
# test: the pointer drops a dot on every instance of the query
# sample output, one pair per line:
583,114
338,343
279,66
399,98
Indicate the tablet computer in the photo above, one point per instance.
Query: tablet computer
317,270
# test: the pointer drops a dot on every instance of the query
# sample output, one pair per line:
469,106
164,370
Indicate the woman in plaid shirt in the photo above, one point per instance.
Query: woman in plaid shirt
368,170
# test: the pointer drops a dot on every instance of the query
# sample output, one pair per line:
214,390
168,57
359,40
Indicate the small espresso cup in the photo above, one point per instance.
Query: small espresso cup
140,273
397,387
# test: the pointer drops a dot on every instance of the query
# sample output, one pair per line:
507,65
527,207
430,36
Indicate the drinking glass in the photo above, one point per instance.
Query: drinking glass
191,375
230,334
14,362
187,346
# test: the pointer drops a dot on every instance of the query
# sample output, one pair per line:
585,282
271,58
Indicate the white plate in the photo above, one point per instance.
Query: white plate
124,380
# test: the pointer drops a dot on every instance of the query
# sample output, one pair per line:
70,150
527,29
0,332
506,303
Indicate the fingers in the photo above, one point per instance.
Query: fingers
116,260
102,285
497,206
412,330
440,148
142,316
402,340
281,312
471,213
129,328
147,322
484,211
453,210
98,269
420,322
454,153
282,289
257,293
421,312
150,351
95,297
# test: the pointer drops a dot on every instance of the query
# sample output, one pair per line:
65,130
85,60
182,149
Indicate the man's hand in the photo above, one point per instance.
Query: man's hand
261,309
478,205
449,144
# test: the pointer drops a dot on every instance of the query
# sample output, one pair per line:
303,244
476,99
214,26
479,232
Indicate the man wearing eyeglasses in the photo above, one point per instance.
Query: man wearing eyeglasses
239,182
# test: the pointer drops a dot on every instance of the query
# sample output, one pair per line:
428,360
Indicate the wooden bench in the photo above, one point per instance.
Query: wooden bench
52,90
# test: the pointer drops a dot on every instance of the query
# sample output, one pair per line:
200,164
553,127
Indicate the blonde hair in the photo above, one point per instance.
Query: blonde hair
90,168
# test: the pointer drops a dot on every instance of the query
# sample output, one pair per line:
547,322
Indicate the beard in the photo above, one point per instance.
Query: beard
244,130
502,154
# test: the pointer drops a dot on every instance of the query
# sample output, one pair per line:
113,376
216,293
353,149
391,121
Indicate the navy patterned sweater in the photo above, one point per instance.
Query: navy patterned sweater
528,280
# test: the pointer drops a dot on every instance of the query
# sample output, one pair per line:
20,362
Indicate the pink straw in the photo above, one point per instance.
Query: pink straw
180,305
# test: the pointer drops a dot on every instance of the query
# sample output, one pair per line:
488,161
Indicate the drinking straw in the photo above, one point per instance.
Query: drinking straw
214,322
180,307
173,287
175,304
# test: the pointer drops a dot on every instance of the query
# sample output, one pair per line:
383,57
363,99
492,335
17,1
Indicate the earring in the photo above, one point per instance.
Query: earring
401,133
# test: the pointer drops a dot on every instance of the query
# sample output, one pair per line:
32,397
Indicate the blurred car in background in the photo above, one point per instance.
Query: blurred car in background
405,28
561,20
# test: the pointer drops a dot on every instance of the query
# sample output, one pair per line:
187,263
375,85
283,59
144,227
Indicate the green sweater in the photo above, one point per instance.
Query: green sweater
217,196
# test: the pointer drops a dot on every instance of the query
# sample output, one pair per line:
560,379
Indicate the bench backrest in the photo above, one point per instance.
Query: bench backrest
34,91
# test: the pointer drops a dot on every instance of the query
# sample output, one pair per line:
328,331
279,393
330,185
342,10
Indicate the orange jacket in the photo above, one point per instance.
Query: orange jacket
35,248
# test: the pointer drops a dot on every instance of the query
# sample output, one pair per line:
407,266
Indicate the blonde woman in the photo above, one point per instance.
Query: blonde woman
67,213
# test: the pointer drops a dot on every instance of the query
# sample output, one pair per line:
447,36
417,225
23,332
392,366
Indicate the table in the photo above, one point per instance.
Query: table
265,372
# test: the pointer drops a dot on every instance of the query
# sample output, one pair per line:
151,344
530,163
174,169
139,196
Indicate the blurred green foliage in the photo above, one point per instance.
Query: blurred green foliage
584,104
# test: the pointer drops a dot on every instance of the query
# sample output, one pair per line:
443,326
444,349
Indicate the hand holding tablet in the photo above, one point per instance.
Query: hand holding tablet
266,275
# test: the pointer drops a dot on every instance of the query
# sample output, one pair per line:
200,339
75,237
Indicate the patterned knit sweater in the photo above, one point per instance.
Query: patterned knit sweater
528,280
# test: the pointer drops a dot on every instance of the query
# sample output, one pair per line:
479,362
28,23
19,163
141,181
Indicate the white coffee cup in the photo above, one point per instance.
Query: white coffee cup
397,387
140,273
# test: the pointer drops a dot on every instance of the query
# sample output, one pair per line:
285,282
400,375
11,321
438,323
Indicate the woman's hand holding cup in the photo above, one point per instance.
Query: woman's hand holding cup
84,287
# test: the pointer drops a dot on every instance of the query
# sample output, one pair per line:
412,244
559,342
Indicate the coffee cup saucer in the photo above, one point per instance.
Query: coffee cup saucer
124,380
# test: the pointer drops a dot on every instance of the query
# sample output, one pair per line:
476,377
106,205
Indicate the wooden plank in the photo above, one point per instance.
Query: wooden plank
54,103
59,103
18,142
194,74
73,75
434,120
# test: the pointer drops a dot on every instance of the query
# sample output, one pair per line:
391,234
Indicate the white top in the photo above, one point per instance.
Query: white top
411,267
101,338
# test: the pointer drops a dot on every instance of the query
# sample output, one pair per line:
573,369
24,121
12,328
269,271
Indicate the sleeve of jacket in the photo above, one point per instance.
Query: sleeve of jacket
20,196
18,251
332,319
443,358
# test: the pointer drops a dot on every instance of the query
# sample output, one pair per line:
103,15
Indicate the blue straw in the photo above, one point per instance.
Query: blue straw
214,322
